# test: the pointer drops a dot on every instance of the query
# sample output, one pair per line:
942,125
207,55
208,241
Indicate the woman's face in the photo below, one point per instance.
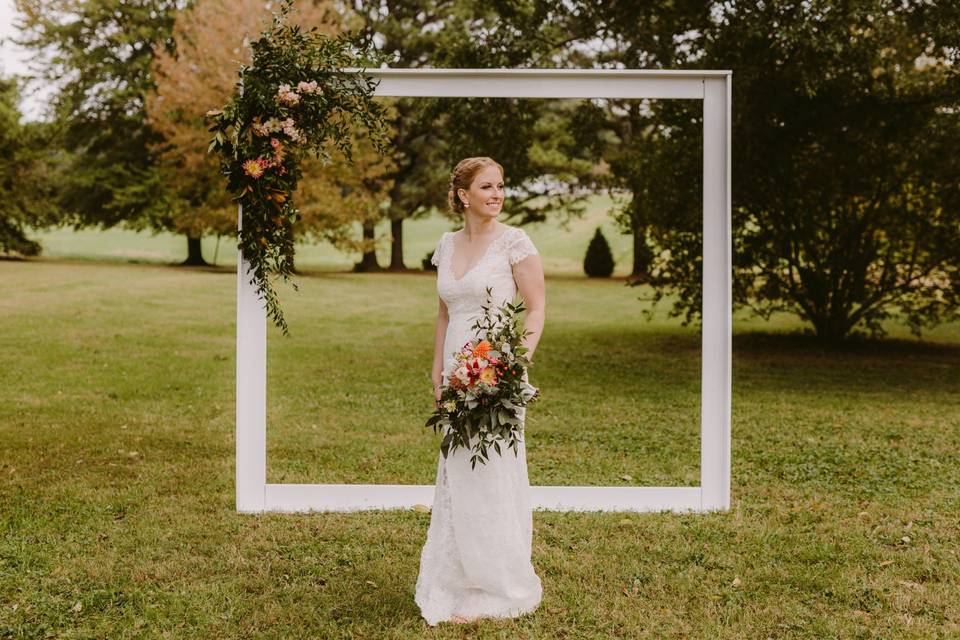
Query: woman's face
485,195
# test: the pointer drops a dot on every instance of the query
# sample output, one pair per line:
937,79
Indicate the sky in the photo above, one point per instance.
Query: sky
13,60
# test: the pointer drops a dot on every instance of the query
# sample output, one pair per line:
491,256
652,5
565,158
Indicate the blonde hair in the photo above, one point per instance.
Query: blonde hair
462,177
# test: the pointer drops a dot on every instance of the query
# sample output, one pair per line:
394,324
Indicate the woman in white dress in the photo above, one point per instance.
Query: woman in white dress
476,562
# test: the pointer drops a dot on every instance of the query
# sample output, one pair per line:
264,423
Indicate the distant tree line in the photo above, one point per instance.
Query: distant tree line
845,179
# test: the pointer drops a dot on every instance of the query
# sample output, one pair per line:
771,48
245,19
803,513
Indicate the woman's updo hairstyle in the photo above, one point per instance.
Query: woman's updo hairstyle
462,177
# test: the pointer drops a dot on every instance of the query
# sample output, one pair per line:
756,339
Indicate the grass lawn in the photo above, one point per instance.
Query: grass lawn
562,249
116,470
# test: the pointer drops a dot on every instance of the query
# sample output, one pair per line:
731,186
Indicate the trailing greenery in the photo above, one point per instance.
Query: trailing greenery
296,97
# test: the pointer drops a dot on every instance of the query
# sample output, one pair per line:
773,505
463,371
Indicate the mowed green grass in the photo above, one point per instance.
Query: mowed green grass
563,246
117,489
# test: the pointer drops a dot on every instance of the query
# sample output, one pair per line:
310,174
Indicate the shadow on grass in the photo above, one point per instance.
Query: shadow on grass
805,343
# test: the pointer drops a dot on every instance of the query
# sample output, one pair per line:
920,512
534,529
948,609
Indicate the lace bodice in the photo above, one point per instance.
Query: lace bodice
494,269
466,295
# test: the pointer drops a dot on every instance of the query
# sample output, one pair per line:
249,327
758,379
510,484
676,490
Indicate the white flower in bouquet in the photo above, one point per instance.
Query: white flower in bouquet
480,404
528,392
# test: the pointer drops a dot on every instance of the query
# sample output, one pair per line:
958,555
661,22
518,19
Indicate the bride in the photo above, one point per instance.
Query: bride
476,559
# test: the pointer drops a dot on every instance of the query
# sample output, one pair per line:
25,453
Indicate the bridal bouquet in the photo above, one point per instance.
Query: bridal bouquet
486,387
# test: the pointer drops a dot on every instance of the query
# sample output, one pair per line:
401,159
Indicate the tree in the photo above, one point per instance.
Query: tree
845,192
337,196
847,202
635,137
26,175
536,140
412,32
200,74
431,135
99,53
598,261
659,166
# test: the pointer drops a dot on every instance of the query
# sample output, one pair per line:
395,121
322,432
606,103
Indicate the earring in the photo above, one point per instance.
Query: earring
466,204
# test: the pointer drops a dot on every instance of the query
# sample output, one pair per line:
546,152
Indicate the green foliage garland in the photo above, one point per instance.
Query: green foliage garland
293,99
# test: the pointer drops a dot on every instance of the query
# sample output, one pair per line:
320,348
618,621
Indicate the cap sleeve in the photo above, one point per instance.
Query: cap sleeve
435,259
521,247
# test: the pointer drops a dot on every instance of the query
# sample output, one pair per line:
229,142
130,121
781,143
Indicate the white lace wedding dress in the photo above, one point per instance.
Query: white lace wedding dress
476,560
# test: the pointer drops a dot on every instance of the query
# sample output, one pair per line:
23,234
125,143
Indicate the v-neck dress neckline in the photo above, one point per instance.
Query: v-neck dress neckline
453,252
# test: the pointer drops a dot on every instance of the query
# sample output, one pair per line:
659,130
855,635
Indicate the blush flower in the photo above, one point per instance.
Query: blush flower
308,87
278,151
290,129
264,129
286,96
259,128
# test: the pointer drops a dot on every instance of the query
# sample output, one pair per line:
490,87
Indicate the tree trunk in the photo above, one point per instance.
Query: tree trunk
194,254
369,261
640,272
396,244
831,329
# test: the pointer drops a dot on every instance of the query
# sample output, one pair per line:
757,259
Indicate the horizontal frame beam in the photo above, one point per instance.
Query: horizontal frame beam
540,83
299,498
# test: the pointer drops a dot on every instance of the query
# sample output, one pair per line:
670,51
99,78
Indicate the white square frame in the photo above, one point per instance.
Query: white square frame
255,495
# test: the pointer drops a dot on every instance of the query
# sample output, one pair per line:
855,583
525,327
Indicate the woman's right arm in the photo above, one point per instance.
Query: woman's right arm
443,319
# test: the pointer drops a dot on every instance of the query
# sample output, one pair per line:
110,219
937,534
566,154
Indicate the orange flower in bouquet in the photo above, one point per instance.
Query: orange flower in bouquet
479,405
